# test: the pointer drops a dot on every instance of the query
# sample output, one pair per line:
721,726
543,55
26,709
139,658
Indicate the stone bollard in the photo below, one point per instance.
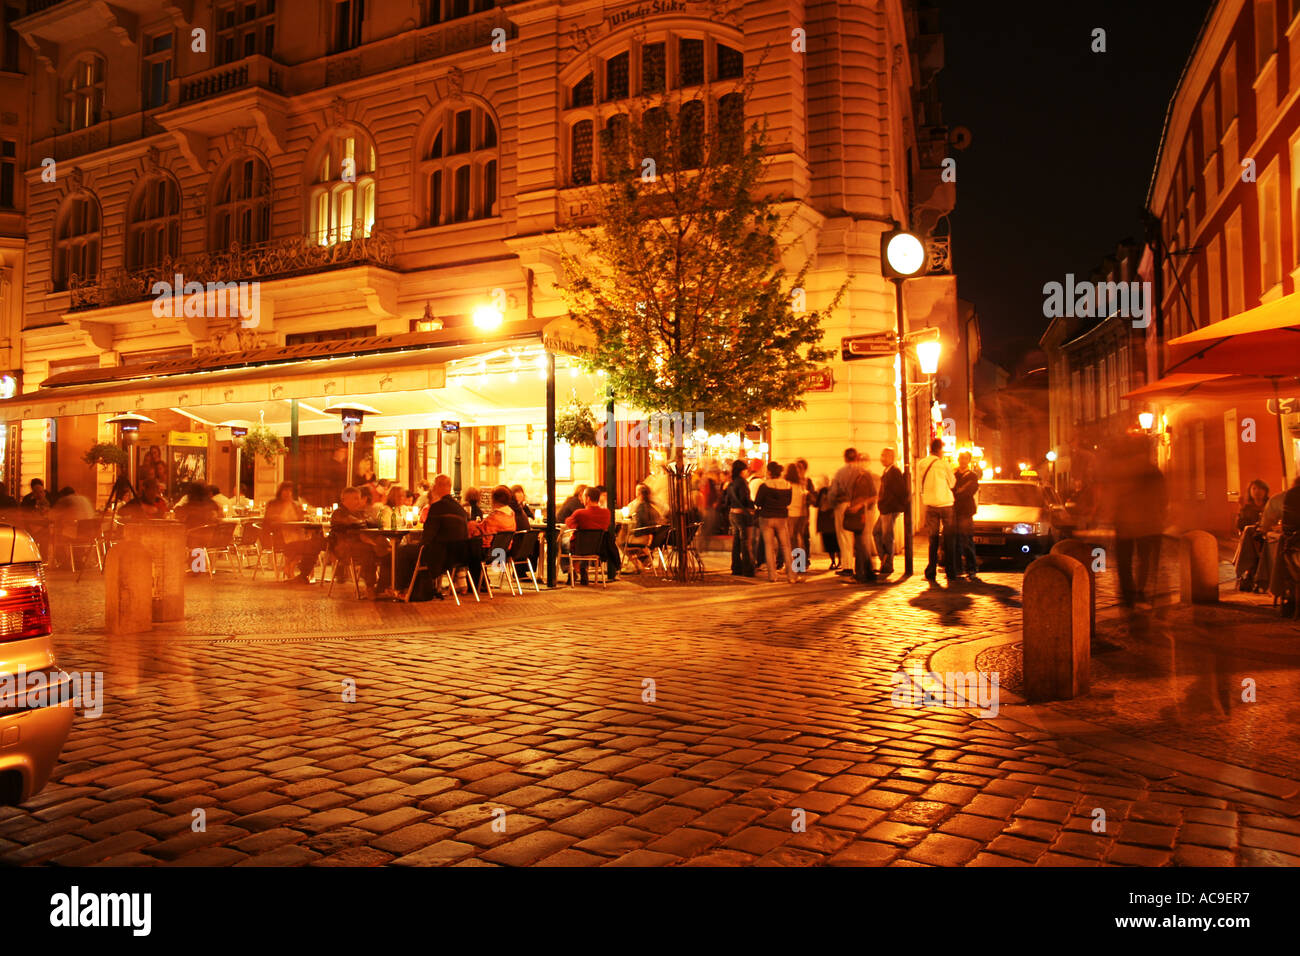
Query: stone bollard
1055,628
128,589
165,542
1081,551
1198,568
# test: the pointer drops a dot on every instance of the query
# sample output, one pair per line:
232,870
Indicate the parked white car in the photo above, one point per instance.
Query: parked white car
33,727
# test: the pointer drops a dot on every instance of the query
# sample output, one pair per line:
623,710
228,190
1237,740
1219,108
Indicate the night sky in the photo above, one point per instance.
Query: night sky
1064,142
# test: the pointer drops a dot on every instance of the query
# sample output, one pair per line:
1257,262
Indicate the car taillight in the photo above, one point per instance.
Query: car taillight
24,603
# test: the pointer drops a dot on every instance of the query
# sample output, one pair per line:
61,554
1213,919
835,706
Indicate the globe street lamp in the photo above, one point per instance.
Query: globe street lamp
902,257
1146,420
1051,460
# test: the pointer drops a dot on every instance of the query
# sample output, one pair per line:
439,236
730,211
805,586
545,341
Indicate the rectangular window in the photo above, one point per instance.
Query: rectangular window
348,18
8,172
616,77
1232,248
1228,88
1232,460
1214,277
157,69
13,42
690,55
1270,221
731,63
1295,194
653,68
245,28
1265,32
463,141
1209,131
1198,460
460,207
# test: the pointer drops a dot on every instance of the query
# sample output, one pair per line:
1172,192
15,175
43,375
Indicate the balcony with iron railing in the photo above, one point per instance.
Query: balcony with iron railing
277,259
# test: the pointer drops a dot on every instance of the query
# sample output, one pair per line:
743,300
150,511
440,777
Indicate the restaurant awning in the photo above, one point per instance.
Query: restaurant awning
1186,387
394,373
1261,341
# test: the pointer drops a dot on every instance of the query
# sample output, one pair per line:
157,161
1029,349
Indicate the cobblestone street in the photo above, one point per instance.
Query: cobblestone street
742,725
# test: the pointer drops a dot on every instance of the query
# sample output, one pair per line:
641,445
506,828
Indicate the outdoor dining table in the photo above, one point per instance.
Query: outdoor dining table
393,536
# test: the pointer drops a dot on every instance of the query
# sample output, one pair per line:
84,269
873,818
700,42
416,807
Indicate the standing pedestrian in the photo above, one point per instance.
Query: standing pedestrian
893,501
1140,500
841,491
740,514
826,522
798,515
937,481
860,518
773,504
963,512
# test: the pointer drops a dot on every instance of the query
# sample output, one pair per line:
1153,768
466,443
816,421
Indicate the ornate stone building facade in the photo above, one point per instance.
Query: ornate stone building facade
384,169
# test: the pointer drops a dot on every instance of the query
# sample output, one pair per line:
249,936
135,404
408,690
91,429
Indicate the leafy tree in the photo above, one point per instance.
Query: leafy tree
681,281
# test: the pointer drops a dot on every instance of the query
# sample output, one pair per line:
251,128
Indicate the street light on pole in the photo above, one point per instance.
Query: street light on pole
902,257
1051,460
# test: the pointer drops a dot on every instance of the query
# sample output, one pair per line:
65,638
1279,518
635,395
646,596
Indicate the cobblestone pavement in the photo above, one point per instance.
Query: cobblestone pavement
526,732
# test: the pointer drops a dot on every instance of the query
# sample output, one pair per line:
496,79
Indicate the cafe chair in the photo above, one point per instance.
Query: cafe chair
262,549
88,534
584,549
658,542
637,547
523,550
213,541
496,556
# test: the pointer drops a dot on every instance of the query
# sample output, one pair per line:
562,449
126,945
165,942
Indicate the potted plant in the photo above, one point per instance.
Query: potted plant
576,424
106,454
260,440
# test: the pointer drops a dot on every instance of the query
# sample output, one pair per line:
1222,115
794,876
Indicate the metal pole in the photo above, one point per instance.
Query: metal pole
907,441
611,479
552,539
293,442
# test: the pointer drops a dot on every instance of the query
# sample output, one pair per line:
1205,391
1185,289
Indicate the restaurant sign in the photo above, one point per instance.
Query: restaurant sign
821,380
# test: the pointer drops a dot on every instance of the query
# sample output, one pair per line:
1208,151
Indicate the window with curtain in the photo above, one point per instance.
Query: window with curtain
341,195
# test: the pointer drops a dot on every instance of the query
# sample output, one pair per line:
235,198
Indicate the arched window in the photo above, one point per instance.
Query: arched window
76,241
341,191
153,226
650,66
241,204
83,92
459,169
731,124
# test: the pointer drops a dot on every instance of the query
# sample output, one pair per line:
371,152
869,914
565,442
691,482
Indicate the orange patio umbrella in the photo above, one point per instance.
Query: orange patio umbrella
1261,341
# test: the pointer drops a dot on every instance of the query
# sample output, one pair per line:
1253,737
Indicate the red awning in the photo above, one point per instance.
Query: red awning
1261,341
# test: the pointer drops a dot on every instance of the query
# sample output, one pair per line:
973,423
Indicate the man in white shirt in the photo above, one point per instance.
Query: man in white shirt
937,482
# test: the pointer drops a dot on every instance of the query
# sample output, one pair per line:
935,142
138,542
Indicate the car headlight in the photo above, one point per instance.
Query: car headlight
1019,529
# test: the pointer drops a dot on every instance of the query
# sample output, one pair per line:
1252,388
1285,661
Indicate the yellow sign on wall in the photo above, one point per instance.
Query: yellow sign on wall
188,439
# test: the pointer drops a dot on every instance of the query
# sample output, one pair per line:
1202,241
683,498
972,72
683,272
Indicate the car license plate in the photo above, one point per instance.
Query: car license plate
990,539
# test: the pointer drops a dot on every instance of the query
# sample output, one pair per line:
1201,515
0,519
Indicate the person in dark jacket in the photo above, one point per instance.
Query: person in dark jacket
1251,543
963,511
444,540
740,512
773,505
826,522
893,502
571,504
1138,505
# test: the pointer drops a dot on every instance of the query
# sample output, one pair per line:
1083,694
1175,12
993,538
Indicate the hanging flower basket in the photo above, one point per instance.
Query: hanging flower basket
576,424
106,454
262,441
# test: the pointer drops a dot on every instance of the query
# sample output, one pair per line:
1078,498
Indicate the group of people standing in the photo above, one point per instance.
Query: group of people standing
857,511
